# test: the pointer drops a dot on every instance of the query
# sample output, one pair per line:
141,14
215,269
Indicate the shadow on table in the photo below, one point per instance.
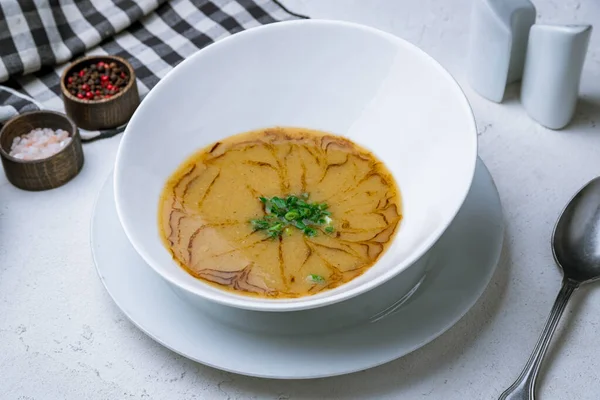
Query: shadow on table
587,115
440,354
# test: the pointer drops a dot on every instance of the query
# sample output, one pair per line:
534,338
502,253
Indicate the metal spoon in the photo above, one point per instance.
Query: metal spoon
576,248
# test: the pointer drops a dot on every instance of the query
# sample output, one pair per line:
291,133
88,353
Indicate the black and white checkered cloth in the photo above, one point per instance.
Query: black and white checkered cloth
38,38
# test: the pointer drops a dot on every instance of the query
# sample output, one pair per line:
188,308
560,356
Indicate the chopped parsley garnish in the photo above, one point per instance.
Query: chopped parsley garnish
315,278
281,214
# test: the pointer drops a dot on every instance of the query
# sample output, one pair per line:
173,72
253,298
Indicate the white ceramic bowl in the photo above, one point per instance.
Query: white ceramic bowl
372,87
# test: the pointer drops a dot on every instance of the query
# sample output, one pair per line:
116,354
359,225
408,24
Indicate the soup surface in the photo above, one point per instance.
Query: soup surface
279,213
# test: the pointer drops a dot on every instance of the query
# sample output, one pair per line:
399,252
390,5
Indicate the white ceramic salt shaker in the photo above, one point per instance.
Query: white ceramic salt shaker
553,66
498,41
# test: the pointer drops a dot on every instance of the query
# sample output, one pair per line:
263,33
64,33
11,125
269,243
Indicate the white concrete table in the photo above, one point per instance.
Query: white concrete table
61,337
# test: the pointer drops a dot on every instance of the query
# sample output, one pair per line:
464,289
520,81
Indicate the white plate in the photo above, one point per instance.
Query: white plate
464,261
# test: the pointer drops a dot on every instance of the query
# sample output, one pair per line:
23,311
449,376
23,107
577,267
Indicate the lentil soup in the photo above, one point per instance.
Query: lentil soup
279,213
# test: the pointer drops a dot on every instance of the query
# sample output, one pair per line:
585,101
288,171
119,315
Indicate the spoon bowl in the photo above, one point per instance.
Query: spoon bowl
576,238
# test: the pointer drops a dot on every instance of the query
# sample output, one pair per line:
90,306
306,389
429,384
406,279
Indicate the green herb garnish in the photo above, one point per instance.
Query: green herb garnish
293,211
316,278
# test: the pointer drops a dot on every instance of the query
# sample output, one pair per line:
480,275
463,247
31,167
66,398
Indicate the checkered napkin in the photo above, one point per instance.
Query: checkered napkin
38,38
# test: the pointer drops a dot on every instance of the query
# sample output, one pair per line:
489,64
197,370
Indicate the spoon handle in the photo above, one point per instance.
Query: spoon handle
524,386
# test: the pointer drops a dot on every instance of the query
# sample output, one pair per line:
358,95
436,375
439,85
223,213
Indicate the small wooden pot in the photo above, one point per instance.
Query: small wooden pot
105,113
47,173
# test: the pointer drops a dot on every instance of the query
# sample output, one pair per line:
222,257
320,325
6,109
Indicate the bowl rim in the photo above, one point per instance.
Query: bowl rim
306,302
82,60
73,134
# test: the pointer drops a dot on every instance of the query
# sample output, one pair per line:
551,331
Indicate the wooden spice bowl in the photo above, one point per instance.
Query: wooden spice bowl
104,113
47,173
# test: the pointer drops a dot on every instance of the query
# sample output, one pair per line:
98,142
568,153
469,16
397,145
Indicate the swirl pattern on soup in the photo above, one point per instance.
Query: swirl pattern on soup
279,213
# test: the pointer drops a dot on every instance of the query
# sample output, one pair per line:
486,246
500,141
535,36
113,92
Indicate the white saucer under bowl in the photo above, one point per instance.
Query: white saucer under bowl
463,262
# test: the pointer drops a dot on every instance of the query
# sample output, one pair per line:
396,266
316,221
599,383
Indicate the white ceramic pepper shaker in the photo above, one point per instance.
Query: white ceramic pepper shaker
553,66
498,41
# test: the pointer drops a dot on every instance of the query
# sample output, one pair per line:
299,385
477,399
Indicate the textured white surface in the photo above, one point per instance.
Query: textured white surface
62,338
